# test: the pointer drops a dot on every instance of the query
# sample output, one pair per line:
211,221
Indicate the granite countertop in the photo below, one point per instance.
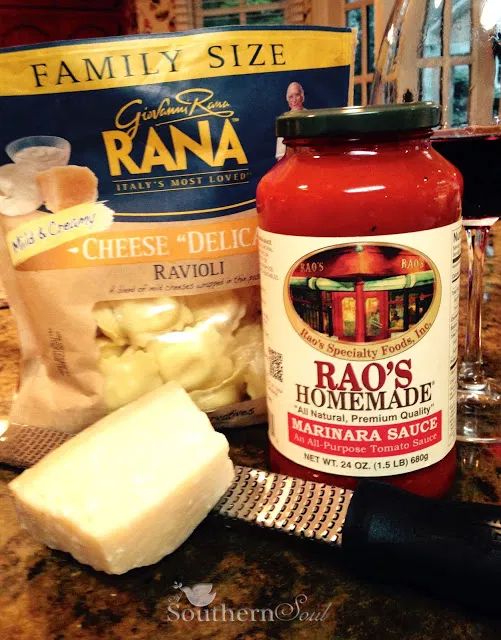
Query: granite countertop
46,595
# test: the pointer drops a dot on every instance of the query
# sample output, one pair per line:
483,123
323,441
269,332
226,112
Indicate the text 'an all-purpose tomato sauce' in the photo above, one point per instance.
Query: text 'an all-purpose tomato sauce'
359,247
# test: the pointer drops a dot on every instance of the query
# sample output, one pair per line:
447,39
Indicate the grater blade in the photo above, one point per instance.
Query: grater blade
297,507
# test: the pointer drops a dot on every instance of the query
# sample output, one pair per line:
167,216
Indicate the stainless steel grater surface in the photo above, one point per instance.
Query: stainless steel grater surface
450,548
300,507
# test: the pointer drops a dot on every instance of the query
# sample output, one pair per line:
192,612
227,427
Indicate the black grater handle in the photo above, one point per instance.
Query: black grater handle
452,549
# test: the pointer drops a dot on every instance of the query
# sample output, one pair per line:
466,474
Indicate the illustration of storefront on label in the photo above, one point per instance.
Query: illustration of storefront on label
363,293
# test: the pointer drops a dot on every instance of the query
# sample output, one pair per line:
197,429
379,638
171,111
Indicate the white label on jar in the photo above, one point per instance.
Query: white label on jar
361,347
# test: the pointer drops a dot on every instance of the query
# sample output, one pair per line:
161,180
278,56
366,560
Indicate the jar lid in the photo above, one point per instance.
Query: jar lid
354,120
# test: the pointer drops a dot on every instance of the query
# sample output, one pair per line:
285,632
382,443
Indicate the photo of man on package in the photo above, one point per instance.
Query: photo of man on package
295,99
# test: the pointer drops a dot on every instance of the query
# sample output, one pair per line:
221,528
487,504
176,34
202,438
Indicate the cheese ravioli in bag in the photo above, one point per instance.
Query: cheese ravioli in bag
128,170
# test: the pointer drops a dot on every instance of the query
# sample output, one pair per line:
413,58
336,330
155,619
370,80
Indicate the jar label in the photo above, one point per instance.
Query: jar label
361,347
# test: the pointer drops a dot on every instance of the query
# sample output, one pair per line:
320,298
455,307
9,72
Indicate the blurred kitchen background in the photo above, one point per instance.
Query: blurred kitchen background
31,21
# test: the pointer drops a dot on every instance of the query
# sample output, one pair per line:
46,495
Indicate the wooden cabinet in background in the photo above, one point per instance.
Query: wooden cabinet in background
31,21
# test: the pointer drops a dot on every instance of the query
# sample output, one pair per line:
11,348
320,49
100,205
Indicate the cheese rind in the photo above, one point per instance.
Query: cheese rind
131,488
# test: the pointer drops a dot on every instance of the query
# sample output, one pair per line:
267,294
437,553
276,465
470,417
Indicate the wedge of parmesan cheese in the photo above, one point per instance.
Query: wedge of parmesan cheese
130,489
64,187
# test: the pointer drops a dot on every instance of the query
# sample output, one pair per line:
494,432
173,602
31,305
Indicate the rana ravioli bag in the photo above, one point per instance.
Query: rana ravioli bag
128,170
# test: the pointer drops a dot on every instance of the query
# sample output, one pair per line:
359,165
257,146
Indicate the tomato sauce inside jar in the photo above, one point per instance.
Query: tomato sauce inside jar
359,249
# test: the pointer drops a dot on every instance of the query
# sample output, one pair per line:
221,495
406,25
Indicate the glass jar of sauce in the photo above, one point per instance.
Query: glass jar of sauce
359,248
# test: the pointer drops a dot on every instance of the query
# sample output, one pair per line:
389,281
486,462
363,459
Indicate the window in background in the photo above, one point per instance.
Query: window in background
430,81
497,89
446,57
360,14
352,13
216,13
432,30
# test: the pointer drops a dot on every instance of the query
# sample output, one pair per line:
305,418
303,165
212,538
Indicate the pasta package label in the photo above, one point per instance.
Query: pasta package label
128,171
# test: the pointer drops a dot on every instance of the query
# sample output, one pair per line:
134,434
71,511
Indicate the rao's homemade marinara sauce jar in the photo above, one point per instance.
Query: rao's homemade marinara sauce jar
360,244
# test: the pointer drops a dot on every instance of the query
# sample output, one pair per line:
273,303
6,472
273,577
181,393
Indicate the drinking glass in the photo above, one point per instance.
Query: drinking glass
449,51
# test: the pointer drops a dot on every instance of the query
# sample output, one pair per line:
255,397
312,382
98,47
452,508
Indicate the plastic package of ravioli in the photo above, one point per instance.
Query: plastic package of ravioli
128,170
